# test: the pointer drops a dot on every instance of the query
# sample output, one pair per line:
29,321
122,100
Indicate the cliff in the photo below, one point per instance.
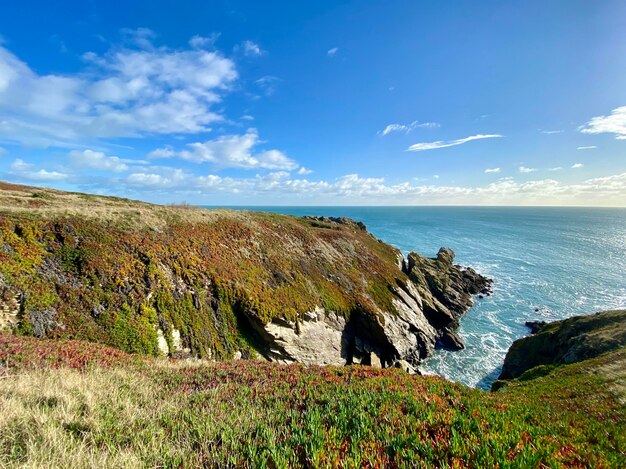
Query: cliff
178,280
569,341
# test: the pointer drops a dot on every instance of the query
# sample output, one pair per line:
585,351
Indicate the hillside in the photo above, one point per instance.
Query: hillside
180,281
76,404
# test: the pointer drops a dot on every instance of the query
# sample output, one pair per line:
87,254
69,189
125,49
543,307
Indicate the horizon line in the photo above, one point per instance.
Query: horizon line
406,205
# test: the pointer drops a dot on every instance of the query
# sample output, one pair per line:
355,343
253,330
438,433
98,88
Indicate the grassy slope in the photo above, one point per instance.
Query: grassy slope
110,269
74,404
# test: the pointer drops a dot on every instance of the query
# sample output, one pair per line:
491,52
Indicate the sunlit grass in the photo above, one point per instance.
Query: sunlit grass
98,411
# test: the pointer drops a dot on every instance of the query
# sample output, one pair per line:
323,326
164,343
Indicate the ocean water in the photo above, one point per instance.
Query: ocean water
547,264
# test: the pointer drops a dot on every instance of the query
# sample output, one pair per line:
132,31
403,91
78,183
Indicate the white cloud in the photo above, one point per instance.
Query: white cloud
175,178
577,165
43,175
590,147
232,151
614,123
251,49
444,144
140,37
201,42
332,52
556,168
20,165
524,169
26,171
268,84
551,132
353,188
97,160
165,152
492,170
247,117
406,128
304,171
2,151
127,92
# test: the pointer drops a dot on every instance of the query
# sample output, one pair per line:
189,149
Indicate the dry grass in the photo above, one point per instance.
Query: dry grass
51,204
45,414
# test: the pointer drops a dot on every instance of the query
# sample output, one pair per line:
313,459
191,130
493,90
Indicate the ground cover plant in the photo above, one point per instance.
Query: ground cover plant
70,403
114,271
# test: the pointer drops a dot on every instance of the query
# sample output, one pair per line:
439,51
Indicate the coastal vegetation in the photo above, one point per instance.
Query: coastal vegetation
172,280
109,270
124,324
71,403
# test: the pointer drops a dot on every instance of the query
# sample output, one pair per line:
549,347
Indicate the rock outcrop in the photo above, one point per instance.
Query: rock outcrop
426,308
345,221
535,326
446,291
10,302
562,342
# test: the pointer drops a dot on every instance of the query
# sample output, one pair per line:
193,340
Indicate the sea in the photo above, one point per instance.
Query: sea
547,263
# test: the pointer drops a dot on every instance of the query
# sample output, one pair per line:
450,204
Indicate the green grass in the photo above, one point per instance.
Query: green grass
75,404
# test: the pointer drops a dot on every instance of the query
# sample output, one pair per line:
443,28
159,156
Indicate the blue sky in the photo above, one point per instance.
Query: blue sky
305,103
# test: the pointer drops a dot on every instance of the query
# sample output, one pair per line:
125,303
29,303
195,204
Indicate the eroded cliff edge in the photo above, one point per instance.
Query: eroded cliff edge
572,340
218,283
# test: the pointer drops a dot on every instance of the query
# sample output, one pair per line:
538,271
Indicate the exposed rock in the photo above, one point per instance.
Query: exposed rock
426,308
164,349
318,339
561,342
176,342
446,291
406,366
374,361
10,304
359,225
450,340
176,349
43,320
535,326
237,355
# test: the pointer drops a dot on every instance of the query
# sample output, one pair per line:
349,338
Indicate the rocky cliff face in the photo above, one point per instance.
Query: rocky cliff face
426,307
220,284
562,342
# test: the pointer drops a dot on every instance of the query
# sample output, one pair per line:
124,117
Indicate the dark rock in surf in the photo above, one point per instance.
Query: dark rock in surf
535,326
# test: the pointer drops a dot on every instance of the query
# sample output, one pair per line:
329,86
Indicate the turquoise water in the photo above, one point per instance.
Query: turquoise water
561,261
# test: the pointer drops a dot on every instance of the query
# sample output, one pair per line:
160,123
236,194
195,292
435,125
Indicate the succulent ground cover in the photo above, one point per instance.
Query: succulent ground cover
112,270
71,403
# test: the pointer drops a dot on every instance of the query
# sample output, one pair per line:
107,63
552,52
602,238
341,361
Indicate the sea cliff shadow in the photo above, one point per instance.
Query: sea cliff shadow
487,380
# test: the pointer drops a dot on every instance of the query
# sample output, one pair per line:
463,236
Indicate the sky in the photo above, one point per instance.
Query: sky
396,102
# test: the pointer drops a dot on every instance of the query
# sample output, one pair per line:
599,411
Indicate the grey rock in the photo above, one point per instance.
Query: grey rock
406,366
317,339
450,340
425,310
43,321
